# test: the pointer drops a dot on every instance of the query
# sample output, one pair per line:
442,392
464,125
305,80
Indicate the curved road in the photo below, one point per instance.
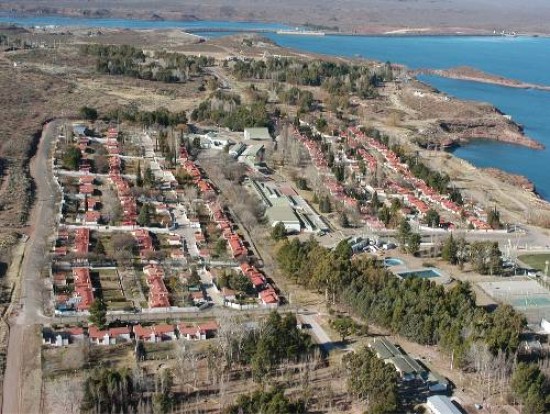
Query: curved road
22,379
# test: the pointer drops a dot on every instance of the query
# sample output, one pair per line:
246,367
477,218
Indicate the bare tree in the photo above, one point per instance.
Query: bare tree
66,395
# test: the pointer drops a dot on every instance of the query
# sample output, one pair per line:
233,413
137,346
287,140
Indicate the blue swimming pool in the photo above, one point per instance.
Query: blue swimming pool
391,261
421,273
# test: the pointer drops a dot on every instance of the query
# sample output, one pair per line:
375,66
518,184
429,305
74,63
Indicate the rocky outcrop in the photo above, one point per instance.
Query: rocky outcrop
498,129
514,179
474,75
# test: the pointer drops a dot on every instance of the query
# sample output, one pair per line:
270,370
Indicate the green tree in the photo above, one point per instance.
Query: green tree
220,247
531,387
385,215
99,247
375,202
432,218
148,177
371,379
88,113
493,219
71,158
345,326
98,313
324,205
343,220
413,243
139,177
278,232
449,252
194,278
144,217
403,232
241,283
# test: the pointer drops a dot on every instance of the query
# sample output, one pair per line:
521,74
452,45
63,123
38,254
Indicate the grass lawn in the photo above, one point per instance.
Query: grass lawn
120,306
536,261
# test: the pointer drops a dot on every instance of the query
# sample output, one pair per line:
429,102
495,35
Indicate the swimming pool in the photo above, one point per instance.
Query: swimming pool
421,273
391,261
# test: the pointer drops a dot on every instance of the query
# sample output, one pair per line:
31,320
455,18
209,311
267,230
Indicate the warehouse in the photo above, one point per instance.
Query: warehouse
440,404
283,213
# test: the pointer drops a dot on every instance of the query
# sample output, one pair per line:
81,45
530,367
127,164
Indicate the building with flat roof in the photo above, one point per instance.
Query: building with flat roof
258,134
440,404
283,213
407,367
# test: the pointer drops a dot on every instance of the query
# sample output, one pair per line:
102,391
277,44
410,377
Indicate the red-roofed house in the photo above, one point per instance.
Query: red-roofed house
144,334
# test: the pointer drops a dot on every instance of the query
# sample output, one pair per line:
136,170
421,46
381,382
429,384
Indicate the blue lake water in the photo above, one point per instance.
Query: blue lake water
522,58
134,24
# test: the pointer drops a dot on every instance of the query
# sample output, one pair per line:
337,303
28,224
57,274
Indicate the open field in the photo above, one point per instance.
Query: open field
536,261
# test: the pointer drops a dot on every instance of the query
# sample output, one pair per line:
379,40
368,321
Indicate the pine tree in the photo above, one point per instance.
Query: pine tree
98,313
139,177
449,253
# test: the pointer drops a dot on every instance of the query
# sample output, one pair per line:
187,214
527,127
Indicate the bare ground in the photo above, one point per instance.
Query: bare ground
371,16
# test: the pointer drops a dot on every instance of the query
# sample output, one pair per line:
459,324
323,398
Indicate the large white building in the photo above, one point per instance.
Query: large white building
440,404
283,213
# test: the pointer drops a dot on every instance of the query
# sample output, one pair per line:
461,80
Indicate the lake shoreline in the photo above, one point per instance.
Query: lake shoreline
371,31
474,75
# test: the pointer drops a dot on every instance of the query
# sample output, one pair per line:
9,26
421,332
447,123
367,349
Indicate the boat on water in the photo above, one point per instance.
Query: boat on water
300,32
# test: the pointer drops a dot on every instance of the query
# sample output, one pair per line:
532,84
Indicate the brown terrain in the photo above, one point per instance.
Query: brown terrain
474,75
371,16
53,82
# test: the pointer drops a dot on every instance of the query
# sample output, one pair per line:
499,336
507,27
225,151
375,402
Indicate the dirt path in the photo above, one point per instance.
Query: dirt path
23,377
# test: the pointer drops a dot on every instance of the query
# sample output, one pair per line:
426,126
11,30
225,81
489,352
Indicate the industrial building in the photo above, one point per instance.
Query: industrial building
440,404
282,213
406,366
257,134
284,205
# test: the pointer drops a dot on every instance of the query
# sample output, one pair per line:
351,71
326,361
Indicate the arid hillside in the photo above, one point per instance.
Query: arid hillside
359,15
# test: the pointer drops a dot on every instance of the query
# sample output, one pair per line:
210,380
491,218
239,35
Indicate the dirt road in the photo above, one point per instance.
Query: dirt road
22,380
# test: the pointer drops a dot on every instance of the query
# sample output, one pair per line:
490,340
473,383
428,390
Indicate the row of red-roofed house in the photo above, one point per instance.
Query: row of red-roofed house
144,243
204,186
367,157
127,200
91,215
82,241
315,152
266,292
111,336
158,294
234,240
335,189
426,192
83,290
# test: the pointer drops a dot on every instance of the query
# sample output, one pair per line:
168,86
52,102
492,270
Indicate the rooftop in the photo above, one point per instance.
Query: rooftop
440,404
257,133
282,213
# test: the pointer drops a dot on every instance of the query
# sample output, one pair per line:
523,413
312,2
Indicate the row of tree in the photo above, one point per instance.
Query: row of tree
415,308
532,388
130,61
234,116
116,391
335,78
485,257
266,402
372,380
